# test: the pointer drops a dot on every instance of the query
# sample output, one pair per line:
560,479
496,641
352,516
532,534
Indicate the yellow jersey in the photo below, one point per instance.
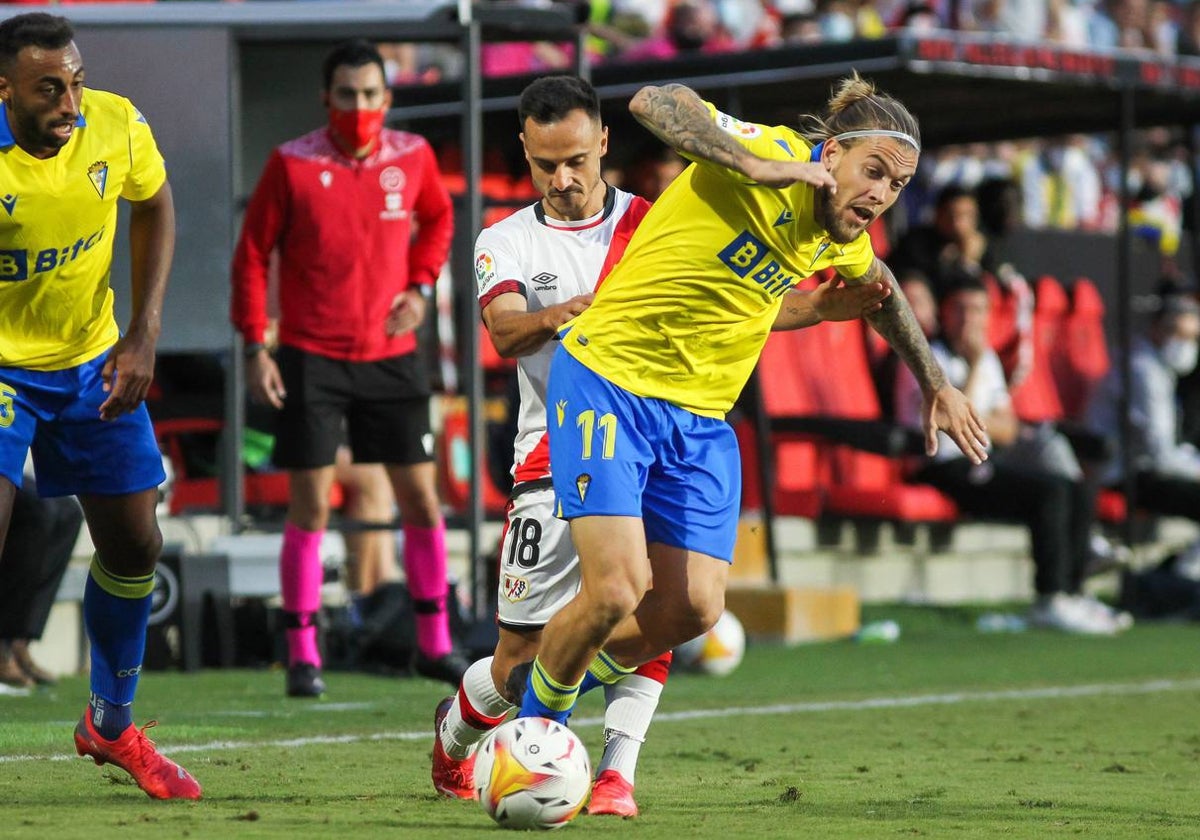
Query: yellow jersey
58,217
686,311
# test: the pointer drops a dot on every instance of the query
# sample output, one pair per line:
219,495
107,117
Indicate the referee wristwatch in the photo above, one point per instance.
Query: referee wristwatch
425,290
252,349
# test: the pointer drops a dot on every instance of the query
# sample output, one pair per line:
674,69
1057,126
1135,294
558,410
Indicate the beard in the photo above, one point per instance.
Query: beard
39,135
830,217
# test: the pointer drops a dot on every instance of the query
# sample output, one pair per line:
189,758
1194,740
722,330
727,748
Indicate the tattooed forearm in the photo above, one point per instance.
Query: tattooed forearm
897,324
678,117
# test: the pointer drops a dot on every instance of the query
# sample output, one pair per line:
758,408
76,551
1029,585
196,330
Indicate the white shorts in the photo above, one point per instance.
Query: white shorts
539,570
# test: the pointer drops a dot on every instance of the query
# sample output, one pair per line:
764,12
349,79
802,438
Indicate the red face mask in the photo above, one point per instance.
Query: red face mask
358,130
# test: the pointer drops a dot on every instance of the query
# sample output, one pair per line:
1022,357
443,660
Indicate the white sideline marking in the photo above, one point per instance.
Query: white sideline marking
912,701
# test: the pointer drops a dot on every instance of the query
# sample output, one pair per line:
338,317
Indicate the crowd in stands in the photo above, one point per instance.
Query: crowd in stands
1069,183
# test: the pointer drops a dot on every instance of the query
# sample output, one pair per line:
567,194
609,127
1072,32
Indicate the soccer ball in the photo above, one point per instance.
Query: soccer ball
717,652
532,773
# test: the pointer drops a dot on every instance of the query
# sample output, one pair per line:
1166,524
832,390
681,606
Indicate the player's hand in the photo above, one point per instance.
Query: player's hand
949,410
560,313
264,380
406,314
784,173
834,300
127,374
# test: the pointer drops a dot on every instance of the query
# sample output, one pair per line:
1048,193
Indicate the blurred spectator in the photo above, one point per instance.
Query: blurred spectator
952,245
653,173
801,29
836,20
869,20
1188,34
692,27
1058,510
41,537
1020,19
919,17
1067,23
1167,470
1120,23
1162,32
511,58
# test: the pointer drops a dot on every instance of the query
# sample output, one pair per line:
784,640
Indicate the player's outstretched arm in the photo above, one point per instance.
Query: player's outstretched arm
130,367
676,115
946,408
832,300
516,331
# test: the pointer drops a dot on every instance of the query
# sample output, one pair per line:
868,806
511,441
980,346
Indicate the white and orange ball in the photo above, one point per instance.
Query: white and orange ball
532,773
717,652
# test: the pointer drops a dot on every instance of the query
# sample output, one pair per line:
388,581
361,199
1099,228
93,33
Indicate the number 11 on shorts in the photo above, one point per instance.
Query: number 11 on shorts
587,423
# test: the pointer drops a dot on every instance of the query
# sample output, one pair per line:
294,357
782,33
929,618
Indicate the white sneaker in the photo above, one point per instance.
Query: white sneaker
1068,614
1120,618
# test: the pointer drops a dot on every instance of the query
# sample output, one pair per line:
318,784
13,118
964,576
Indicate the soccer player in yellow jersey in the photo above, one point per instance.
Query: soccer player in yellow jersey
71,384
644,465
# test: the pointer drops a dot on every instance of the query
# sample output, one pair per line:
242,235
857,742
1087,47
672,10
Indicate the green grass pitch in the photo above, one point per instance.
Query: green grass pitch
946,733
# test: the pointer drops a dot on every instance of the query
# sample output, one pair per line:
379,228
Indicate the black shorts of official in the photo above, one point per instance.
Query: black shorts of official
380,407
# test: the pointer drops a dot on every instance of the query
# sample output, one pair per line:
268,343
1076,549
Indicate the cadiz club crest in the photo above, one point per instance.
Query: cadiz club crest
98,175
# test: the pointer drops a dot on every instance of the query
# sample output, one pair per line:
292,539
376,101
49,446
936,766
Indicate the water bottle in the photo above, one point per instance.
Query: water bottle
878,632
1000,623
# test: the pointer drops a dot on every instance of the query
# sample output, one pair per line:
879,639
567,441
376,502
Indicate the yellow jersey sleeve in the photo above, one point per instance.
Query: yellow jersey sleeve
855,259
147,173
770,142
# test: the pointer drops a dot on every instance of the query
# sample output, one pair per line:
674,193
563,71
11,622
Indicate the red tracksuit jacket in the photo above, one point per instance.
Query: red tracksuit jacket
350,234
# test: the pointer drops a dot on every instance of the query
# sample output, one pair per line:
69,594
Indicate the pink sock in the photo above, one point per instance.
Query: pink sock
425,569
300,576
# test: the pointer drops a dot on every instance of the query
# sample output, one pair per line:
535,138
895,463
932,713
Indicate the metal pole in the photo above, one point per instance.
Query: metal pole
233,500
472,373
1125,310
582,66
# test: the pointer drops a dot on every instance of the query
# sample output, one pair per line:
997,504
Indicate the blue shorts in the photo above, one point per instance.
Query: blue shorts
57,413
613,453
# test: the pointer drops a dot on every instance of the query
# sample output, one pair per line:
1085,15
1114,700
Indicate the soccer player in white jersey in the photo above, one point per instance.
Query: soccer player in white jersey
536,270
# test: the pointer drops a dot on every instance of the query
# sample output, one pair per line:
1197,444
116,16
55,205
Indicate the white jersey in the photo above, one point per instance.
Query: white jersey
549,262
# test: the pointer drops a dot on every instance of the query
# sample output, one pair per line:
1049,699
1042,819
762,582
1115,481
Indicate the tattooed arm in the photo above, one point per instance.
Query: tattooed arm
678,117
832,300
946,408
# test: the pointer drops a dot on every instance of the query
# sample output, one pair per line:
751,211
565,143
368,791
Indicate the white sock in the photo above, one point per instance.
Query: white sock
457,735
630,704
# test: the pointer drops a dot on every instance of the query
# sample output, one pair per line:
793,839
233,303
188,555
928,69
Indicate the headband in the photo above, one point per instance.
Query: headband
880,132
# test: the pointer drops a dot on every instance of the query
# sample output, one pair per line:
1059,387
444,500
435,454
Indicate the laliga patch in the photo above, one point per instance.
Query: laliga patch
485,268
736,127
514,588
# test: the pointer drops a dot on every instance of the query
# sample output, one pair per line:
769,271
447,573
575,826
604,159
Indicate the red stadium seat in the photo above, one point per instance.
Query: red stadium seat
823,372
1081,361
1036,399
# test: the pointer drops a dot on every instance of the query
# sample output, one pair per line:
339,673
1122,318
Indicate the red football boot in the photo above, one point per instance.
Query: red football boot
134,753
611,794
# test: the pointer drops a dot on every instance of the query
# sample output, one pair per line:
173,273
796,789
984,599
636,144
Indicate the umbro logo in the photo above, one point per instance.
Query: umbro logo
544,281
